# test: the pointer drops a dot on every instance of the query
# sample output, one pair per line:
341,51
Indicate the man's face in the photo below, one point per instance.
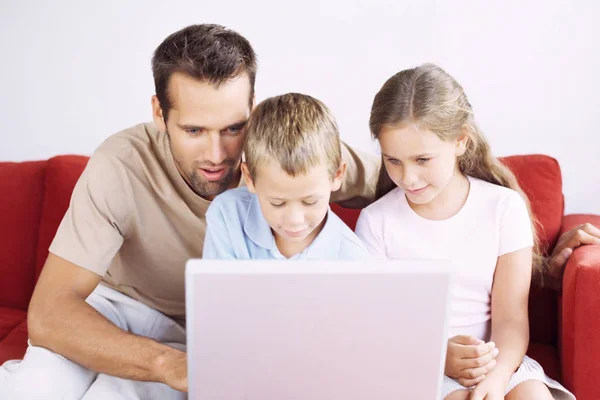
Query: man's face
205,128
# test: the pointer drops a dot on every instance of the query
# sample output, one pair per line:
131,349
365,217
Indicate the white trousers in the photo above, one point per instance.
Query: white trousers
43,374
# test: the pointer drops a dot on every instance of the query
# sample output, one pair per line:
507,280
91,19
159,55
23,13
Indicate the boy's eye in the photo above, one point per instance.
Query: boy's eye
422,160
310,203
277,204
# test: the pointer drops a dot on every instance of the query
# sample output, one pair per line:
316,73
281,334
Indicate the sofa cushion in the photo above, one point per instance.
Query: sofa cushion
62,173
547,356
540,178
22,188
9,319
13,345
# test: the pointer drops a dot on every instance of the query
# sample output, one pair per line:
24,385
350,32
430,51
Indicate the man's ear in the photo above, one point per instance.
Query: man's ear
248,178
338,178
157,115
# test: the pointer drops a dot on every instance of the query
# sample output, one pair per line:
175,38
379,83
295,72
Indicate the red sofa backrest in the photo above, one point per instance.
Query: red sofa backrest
35,196
21,199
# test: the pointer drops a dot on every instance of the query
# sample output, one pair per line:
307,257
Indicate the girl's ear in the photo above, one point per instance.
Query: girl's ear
248,178
462,141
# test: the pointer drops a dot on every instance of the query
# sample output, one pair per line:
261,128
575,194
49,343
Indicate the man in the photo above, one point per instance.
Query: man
136,216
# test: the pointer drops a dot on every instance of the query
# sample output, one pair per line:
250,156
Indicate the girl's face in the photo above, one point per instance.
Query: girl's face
419,162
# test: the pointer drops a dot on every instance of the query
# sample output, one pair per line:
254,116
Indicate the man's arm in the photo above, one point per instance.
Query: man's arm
553,267
360,180
60,320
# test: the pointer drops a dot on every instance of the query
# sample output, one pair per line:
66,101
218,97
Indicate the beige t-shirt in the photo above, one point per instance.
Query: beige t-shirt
134,221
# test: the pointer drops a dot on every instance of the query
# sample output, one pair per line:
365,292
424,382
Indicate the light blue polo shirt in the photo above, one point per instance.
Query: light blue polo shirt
236,229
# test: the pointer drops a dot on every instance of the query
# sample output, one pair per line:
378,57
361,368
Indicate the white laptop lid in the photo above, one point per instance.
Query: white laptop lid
316,330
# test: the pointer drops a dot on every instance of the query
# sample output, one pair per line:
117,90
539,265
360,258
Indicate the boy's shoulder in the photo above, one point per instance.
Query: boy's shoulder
350,245
232,202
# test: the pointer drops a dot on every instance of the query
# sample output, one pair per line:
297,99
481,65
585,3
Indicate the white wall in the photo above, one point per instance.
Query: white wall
73,72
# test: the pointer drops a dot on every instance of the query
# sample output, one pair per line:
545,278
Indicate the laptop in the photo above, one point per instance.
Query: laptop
316,330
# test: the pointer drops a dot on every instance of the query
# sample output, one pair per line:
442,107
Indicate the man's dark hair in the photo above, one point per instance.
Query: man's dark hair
207,52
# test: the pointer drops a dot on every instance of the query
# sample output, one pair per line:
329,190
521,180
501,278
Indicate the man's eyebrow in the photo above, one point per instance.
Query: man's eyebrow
238,124
191,126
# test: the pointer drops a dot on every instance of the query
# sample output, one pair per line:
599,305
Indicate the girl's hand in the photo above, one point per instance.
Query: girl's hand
469,359
491,388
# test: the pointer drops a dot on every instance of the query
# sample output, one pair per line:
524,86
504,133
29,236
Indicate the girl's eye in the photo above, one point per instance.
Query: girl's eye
393,161
422,160
234,130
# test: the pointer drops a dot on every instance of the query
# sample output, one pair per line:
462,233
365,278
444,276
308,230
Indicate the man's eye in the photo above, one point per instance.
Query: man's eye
277,204
193,131
310,203
422,160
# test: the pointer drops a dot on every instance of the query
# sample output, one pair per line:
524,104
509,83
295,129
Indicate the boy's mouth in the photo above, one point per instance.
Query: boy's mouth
296,233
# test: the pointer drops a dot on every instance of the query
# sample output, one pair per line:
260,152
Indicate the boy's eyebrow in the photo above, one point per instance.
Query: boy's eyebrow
305,197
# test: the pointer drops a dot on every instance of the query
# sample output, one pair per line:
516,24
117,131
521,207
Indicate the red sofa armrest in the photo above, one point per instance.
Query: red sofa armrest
580,316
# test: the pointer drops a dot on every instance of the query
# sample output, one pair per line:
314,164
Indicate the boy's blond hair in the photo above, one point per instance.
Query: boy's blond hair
295,130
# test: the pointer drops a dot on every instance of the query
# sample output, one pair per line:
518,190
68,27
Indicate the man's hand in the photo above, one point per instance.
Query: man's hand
469,359
172,370
569,241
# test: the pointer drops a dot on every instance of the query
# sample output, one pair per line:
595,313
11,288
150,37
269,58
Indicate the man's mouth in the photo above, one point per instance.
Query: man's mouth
213,173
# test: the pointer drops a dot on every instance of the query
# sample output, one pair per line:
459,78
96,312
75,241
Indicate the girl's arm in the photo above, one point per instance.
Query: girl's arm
510,321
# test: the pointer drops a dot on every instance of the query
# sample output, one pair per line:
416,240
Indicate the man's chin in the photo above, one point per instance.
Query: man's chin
209,190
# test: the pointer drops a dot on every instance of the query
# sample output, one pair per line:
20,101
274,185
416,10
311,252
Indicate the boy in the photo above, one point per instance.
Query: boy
292,164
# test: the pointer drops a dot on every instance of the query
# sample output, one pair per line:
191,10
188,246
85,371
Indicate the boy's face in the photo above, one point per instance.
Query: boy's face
294,205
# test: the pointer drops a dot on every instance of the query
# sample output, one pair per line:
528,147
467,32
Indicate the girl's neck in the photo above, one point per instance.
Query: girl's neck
448,202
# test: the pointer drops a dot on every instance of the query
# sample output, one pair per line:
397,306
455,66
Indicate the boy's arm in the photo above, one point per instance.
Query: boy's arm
362,172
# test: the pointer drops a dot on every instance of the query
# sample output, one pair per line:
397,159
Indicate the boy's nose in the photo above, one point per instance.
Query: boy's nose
295,217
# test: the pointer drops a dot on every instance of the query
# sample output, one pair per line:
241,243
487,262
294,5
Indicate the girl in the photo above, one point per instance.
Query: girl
451,199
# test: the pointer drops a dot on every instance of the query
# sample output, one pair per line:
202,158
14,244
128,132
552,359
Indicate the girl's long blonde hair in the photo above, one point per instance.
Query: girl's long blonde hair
432,99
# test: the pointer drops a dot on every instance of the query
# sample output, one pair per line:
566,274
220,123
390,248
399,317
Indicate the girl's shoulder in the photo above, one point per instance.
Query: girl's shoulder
490,192
495,200
388,202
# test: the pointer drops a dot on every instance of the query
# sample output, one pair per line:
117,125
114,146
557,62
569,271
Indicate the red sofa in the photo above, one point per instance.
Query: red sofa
564,327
